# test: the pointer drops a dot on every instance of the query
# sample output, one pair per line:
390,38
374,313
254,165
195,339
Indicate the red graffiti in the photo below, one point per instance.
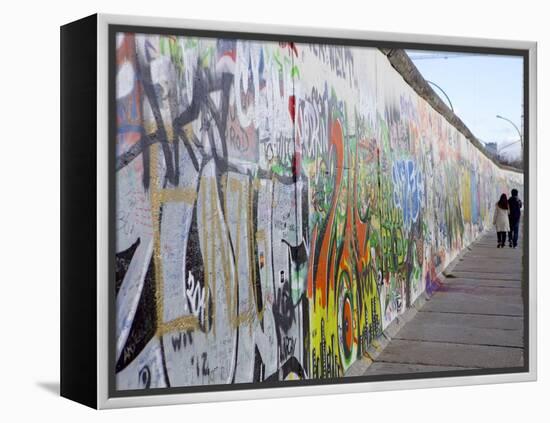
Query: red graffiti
292,107
291,46
322,268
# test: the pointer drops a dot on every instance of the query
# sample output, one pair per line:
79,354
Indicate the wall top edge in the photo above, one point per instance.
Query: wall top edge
412,76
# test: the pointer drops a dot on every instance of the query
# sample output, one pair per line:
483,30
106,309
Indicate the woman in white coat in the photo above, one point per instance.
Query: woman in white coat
501,221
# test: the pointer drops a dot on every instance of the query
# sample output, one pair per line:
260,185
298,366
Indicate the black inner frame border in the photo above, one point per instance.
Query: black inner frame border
113,29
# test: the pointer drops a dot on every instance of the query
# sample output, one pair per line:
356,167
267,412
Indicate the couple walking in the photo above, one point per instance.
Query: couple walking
506,219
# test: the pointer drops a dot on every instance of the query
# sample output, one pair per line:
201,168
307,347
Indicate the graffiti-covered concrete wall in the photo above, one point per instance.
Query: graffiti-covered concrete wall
277,206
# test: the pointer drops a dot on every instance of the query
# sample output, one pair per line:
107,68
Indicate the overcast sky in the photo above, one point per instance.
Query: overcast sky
479,87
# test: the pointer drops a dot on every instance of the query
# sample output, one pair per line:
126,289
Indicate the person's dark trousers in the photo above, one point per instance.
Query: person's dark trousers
513,234
501,235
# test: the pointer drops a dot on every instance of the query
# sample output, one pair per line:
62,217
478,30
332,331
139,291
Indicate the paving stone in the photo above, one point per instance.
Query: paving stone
470,304
449,354
468,292
484,321
517,276
455,333
508,268
489,283
381,368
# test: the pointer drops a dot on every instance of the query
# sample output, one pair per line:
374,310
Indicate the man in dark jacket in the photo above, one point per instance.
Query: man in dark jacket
514,205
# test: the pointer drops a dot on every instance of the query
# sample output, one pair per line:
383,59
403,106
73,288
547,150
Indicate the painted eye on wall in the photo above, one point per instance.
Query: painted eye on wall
345,318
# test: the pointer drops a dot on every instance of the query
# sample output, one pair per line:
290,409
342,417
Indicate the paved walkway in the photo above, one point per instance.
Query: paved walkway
475,320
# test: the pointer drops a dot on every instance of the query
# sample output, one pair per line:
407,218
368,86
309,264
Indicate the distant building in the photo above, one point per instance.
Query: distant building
492,148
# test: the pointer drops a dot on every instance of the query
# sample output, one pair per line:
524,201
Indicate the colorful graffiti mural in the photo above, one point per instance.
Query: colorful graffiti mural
277,206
